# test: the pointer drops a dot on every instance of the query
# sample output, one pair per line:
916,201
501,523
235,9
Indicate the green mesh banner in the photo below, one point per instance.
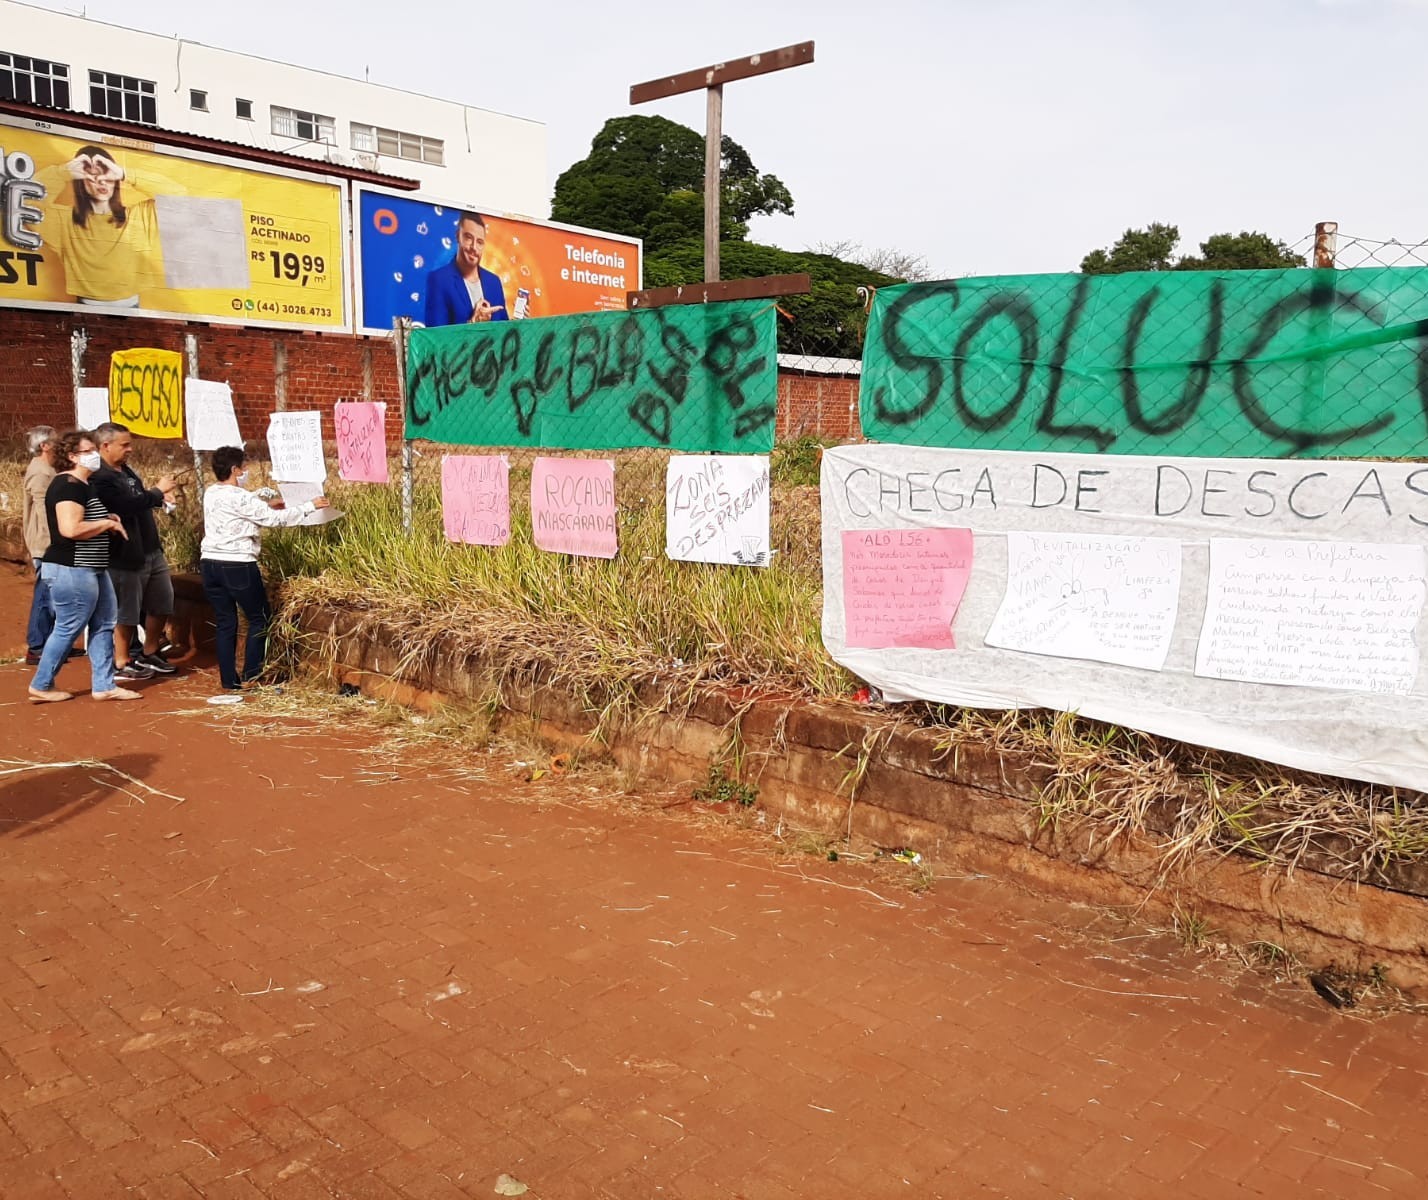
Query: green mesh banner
687,377
1223,364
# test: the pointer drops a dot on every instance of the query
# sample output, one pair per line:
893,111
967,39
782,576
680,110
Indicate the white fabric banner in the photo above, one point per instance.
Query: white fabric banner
1275,608
716,509
208,415
295,447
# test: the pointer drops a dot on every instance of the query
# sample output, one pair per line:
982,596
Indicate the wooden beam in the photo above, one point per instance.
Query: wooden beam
704,77
713,158
763,287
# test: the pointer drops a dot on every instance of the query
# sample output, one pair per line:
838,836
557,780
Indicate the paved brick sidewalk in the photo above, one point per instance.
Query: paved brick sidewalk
310,979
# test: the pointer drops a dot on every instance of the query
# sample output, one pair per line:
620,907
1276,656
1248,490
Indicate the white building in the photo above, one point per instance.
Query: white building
456,151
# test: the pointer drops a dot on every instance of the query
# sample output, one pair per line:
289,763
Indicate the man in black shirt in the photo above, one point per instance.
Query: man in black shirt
137,564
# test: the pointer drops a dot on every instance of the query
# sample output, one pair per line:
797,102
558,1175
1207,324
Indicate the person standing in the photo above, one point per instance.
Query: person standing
75,568
233,523
38,475
137,565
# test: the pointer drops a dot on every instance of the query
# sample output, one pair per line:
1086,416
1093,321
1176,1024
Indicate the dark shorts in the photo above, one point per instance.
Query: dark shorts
149,590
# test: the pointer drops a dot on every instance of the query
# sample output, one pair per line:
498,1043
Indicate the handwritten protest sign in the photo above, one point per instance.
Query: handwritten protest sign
146,392
91,407
1315,614
295,446
476,499
361,440
209,410
294,494
1300,616
686,377
1111,599
573,506
1229,364
902,587
716,509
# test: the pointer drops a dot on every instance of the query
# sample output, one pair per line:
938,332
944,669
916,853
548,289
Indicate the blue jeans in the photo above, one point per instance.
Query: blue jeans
81,596
42,613
230,586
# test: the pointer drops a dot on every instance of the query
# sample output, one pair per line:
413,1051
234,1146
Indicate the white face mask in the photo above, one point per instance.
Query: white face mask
241,478
90,460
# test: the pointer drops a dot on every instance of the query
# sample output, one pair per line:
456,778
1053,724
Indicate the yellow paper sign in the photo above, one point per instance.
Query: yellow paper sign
146,392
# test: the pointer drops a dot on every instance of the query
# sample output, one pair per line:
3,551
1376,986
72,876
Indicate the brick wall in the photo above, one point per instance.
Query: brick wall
825,406
302,370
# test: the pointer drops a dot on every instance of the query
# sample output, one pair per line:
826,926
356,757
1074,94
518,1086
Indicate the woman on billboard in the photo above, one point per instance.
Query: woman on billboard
109,248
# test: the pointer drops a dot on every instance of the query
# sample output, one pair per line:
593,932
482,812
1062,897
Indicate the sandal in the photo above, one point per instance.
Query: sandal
53,696
119,694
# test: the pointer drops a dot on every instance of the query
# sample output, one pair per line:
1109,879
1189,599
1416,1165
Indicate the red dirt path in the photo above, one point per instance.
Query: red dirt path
313,978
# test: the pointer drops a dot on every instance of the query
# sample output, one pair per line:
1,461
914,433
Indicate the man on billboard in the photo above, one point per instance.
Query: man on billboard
463,290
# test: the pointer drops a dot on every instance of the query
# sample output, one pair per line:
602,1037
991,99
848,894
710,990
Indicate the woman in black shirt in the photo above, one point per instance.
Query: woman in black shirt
76,569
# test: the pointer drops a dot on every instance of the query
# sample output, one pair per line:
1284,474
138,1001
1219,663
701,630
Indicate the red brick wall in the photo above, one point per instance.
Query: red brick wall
313,370
825,406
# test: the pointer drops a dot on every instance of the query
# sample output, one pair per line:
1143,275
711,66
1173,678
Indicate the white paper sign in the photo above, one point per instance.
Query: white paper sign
208,415
1334,615
91,407
295,446
295,494
717,509
1110,599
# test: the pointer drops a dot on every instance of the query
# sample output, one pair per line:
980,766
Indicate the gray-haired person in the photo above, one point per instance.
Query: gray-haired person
39,474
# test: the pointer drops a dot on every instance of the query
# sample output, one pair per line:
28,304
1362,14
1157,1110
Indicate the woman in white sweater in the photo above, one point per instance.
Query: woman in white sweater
233,522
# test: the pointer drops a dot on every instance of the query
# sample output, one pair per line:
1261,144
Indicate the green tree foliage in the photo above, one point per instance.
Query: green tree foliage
644,177
1153,249
829,321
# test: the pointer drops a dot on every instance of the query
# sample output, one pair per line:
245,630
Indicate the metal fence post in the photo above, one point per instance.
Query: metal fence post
78,340
401,330
190,350
1326,243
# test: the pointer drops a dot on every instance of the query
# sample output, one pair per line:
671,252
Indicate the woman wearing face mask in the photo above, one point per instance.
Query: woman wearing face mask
75,568
233,521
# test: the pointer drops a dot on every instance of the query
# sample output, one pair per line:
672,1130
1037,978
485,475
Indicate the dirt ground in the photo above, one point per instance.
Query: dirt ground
281,957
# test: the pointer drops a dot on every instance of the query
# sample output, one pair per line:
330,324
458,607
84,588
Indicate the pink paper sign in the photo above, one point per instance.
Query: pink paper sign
361,440
573,506
902,587
476,499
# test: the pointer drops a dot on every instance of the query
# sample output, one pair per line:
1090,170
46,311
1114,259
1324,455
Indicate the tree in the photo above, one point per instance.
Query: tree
1148,249
1153,249
644,177
897,264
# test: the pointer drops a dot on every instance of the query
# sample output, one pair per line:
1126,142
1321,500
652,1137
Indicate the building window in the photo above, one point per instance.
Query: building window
305,126
33,80
394,144
198,100
243,109
122,97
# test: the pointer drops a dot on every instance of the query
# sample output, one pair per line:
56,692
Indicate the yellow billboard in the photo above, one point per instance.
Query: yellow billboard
105,224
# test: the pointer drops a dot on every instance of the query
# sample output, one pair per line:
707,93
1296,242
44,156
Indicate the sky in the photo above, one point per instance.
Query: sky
989,136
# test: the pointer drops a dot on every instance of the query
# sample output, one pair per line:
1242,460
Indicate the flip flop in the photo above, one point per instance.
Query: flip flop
51,697
119,694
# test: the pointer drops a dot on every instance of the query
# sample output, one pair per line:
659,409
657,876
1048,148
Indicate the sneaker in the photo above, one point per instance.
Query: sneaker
157,663
78,652
32,658
170,648
133,670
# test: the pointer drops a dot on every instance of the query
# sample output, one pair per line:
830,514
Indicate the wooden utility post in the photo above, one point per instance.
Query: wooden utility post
713,79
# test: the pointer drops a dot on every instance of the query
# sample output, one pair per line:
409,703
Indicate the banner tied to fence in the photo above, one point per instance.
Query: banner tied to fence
1239,364
1276,608
687,377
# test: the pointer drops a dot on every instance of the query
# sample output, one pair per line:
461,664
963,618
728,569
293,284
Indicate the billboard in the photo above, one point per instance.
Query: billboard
114,225
418,259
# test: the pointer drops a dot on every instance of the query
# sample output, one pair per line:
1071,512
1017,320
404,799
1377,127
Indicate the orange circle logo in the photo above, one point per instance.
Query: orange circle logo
385,220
